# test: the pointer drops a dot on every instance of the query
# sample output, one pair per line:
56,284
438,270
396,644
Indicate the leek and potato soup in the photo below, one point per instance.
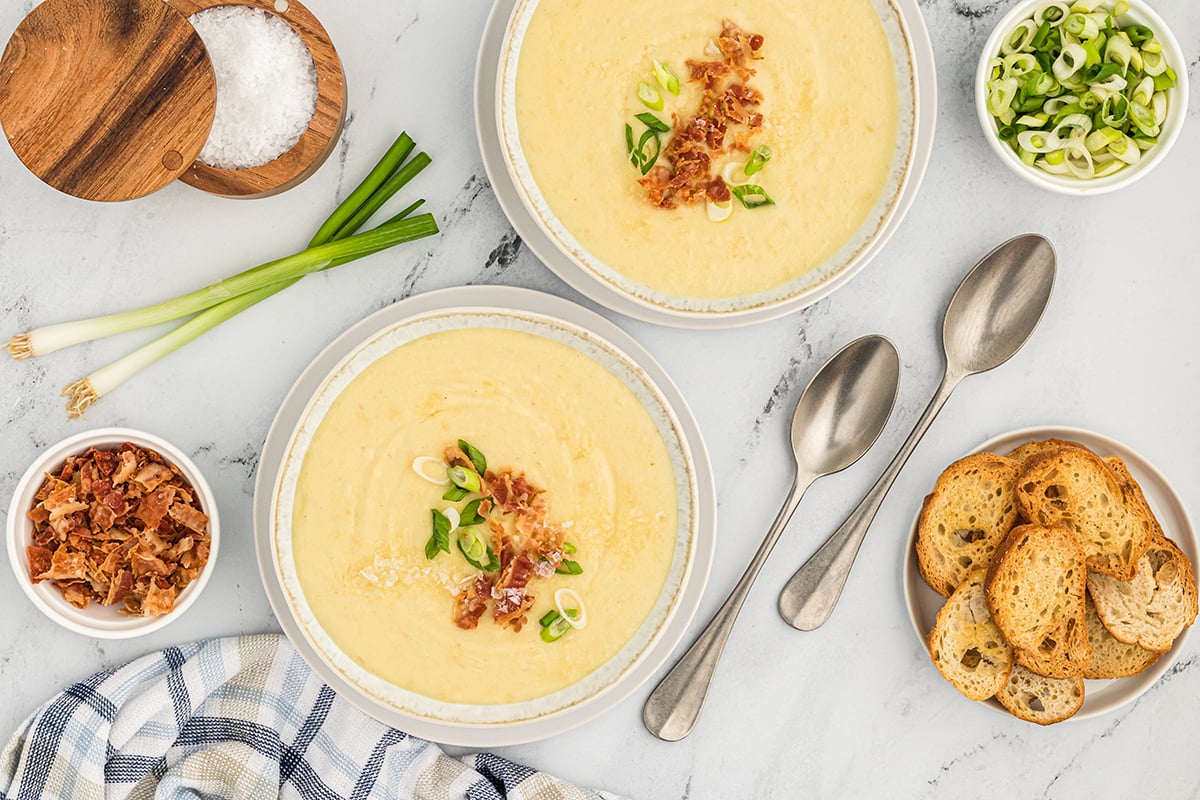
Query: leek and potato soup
710,149
484,516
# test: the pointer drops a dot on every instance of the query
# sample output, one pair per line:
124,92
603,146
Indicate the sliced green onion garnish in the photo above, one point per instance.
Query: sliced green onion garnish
477,459
476,550
439,541
1159,107
752,195
1143,91
758,159
651,98
648,157
471,516
666,79
419,465
1126,150
556,629
1120,8
569,548
1138,34
1143,119
1115,111
653,123
1079,160
1054,13
569,568
464,478
1100,72
1153,64
1072,59
719,211
552,615
1165,81
1118,51
454,494
1039,141
1081,26
1099,140
1020,37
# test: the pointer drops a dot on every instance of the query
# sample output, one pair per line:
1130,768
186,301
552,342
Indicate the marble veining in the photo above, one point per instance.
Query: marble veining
853,710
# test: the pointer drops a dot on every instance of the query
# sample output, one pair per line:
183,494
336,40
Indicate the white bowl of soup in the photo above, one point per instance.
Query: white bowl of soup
827,91
619,539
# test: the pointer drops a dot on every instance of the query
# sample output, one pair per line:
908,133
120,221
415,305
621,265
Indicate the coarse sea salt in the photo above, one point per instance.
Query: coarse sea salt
266,86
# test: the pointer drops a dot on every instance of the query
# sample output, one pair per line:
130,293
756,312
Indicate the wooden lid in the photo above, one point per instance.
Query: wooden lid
106,99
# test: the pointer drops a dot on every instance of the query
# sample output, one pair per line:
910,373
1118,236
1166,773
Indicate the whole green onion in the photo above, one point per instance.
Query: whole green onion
226,299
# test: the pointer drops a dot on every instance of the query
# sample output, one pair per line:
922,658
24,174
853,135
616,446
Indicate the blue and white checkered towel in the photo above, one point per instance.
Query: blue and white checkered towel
238,718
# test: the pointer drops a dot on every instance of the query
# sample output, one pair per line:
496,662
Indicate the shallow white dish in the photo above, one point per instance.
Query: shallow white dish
1100,697
97,621
561,320
488,97
1140,13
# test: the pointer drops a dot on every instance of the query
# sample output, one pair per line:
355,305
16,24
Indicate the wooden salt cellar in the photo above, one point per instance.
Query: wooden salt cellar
106,99
114,99
316,144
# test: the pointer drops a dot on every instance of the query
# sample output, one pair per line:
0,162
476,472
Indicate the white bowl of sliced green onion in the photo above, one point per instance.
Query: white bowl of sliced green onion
1082,97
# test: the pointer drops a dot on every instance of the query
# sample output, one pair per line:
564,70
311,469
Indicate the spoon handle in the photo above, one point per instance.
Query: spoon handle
674,706
808,598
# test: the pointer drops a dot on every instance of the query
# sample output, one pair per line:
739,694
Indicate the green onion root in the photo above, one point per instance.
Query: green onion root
19,347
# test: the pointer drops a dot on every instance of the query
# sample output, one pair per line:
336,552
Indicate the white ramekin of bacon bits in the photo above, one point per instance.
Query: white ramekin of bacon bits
112,533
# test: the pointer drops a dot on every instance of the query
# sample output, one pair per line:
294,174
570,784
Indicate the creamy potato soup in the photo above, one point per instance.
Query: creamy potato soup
362,515
830,112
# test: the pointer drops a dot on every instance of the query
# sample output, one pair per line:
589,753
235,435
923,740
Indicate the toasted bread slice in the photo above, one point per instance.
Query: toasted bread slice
1133,488
966,517
1112,658
1037,593
1077,488
1031,449
1045,701
1065,653
966,646
1152,609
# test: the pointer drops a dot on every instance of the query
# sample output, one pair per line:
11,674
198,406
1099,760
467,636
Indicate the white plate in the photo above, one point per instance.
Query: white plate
591,284
557,319
1100,697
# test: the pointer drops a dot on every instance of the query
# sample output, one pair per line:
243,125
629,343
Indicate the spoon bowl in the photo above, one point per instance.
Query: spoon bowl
845,408
999,304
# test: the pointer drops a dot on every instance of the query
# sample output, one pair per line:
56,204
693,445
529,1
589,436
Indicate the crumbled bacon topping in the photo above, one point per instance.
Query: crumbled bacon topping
118,527
698,140
470,604
532,549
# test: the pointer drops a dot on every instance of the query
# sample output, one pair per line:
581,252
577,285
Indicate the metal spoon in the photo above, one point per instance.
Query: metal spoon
996,308
838,418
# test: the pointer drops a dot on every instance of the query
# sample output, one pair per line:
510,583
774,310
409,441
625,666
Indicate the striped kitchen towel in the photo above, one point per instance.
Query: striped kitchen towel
240,718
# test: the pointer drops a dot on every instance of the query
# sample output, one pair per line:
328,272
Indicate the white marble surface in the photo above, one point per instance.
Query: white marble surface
853,710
